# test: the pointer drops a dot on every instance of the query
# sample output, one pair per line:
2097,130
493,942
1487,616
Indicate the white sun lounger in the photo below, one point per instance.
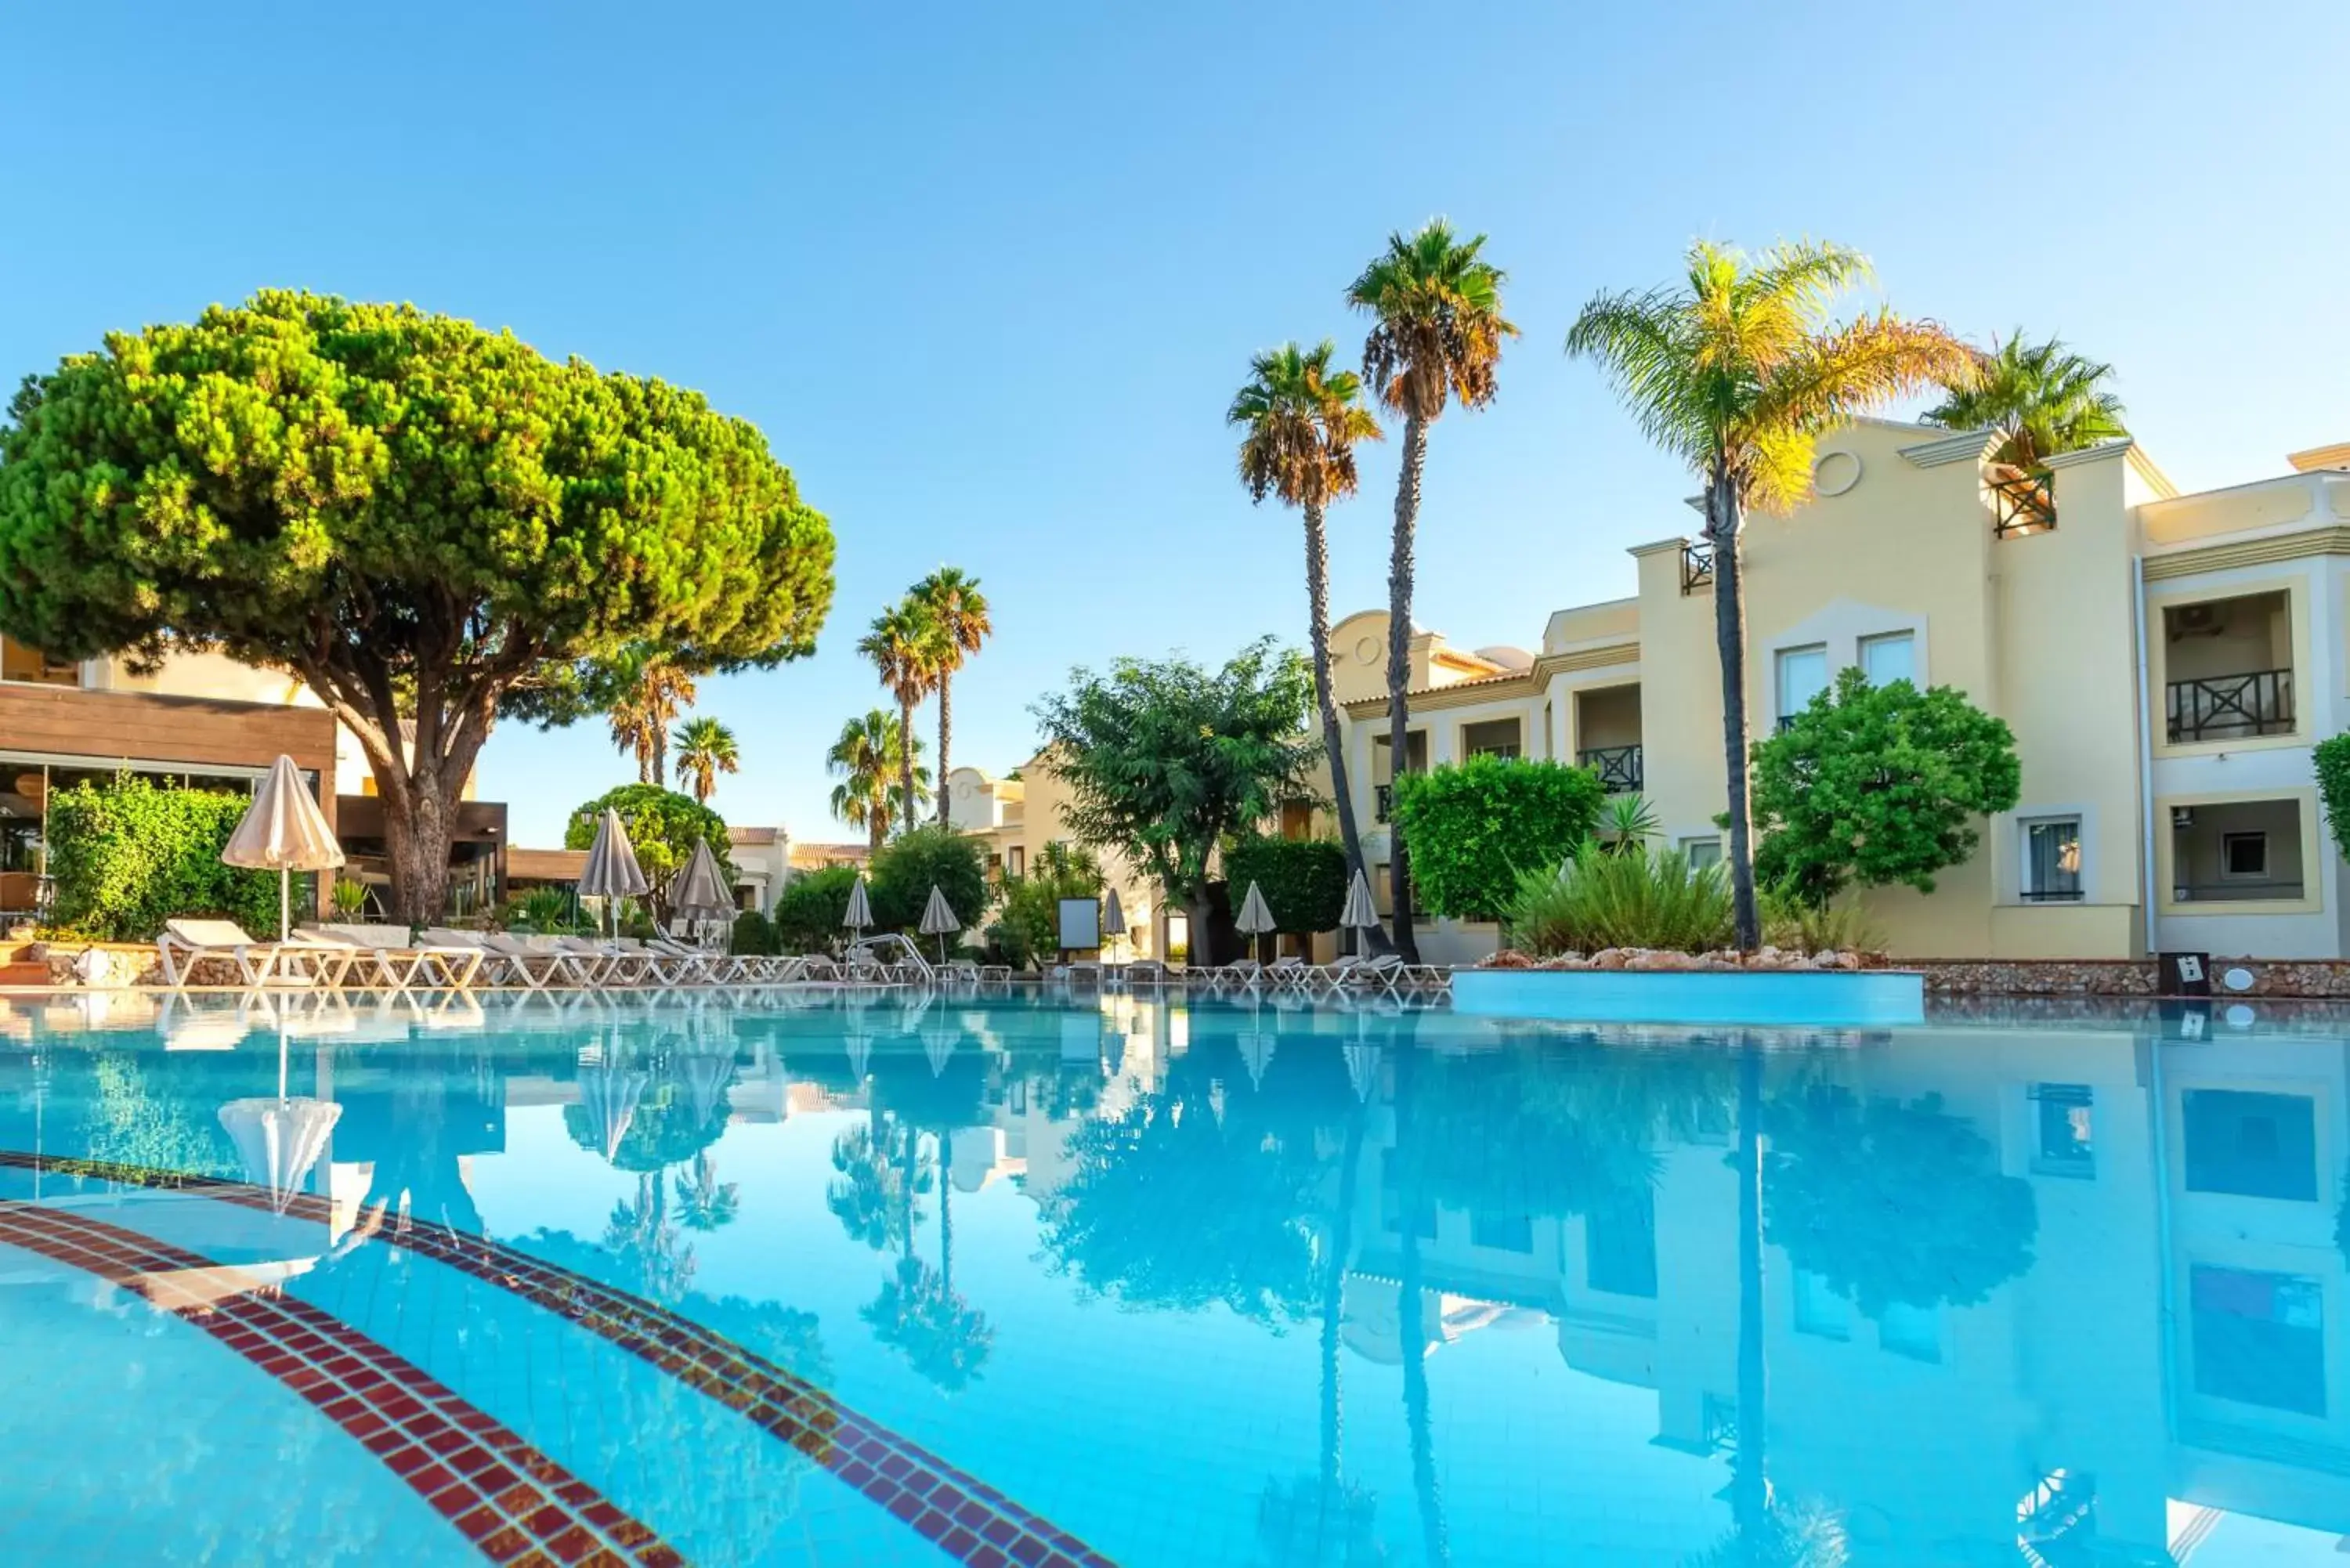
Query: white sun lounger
185,943
385,955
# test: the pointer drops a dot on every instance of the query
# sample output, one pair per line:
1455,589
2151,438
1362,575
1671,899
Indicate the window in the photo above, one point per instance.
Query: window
1505,1232
1819,1310
1912,1331
2052,860
1702,852
2244,854
1493,738
1619,1246
1016,860
2250,1145
1890,658
2065,1147
2260,1339
1802,675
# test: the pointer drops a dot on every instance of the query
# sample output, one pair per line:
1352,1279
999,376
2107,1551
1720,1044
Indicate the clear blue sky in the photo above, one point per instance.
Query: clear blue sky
988,274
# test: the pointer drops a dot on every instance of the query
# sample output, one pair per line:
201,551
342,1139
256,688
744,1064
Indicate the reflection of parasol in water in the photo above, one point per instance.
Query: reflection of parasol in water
1256,1043
277,1141
858,1038
1363,1061
708,1070
938,1045
610,1093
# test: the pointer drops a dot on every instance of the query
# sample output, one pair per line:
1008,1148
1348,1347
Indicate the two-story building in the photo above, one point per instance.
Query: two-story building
1020,813
2165,660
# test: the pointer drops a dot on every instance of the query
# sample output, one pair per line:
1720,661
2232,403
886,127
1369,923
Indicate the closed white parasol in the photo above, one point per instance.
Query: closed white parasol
284,831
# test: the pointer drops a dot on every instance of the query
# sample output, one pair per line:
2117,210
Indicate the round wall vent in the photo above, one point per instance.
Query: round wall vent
1834,472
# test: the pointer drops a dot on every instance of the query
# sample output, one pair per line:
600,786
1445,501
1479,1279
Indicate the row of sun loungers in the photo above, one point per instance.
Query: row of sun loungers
1388,973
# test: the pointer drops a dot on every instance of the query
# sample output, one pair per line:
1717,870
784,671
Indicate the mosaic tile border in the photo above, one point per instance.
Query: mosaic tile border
514,1503
964,1517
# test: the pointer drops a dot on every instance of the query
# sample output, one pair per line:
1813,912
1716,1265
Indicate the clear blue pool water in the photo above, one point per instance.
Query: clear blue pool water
1199,1283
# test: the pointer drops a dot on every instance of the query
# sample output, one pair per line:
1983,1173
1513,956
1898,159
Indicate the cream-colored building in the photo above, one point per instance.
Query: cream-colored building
2166,661
1020,813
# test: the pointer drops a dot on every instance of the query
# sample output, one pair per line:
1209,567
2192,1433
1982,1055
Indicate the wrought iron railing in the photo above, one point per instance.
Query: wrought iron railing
1619,767
1382,801
2022,504
1697,565
2230,707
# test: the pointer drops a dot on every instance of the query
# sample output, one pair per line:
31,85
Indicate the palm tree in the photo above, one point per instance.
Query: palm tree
1302,423
704,1202
903,644
867,759
2041,398
1738,373
642,718
958,611
1436,336
706,748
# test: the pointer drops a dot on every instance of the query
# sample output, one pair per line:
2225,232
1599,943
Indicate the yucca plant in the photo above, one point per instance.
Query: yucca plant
350,899
1635,900
1840,925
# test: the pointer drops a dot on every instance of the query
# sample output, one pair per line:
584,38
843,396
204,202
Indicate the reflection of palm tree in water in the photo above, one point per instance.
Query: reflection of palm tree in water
1765,1533
1414,1330
1325,1517
643,1233
917,1310
704,1202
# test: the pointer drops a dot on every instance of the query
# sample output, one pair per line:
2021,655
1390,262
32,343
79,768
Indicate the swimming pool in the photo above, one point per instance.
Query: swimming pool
799,1279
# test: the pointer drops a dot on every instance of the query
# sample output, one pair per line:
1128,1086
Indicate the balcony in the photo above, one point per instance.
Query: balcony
2021,503
2230,707
1697,565
1619,767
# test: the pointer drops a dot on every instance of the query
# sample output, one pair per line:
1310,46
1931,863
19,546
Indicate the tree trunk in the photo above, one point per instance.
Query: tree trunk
1334,1281
661,756
1723,516
1334,746
906,764
418,824
946,733
1399,575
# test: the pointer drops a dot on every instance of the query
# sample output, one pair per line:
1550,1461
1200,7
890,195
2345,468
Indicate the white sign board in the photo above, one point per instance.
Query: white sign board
1080,923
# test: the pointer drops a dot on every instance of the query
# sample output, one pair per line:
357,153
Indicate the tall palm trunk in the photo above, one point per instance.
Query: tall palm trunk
946,1219
1722,515
1317,601
946,733
906,761
1399,575
876,824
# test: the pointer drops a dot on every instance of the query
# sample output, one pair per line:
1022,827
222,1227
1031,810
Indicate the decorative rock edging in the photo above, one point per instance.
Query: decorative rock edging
2304,978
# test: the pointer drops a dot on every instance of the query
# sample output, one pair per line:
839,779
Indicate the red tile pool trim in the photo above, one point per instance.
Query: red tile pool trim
513,1503
967,1519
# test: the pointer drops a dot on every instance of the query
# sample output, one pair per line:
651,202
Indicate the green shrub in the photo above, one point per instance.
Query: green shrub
755,936
1595,900
909,867
131,854
350,898
1474,827
1877,785
543,912
808,909
1027,924
1304,879
2333,758
662,827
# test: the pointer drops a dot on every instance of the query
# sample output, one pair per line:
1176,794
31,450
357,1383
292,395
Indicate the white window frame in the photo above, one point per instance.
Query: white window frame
1709,840
1886,638
1780,707
2026,821
2227,872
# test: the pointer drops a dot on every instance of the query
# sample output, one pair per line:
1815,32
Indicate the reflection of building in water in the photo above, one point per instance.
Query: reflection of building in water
2177,1343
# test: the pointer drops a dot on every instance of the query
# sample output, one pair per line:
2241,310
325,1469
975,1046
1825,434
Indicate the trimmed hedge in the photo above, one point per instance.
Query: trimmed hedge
2333,759
129,854
1304,879
808,909
909,867
1474,828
